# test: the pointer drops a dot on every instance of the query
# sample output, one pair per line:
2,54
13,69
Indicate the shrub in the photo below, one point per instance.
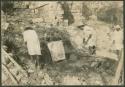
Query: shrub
111,15
86,12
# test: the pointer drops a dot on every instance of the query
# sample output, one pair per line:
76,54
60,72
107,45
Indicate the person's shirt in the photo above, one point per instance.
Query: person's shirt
30,36
117,36
33,43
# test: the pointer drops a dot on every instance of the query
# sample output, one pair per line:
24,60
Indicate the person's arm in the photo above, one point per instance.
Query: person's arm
88,38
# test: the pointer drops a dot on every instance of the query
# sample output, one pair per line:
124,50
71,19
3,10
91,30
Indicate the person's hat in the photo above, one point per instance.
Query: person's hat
117,27
80,24
28,28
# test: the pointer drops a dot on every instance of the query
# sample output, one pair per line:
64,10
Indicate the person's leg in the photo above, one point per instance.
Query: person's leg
94,50
67,56
39,63
31,58
118,53
38,60
90,50
35,60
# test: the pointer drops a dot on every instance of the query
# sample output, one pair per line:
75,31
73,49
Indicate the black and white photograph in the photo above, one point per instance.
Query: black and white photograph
62,43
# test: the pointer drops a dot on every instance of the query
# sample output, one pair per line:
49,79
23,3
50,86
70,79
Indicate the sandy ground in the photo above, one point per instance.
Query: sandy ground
78,70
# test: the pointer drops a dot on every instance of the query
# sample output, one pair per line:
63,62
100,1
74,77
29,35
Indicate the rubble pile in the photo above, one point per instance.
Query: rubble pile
81,68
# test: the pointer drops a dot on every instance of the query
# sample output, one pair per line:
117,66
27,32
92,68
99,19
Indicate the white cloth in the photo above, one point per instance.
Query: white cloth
57,50
33,44
87,32
117,36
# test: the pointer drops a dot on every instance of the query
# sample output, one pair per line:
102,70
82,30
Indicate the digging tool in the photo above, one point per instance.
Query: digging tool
118,70
10,74
13,61
40,6
88,39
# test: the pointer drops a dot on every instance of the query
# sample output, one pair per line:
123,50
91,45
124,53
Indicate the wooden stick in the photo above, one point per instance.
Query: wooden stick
101,57
118,71
10,74
13,61
39,6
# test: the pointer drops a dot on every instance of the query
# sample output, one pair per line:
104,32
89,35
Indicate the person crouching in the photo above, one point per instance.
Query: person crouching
117,38
33,45
89,39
